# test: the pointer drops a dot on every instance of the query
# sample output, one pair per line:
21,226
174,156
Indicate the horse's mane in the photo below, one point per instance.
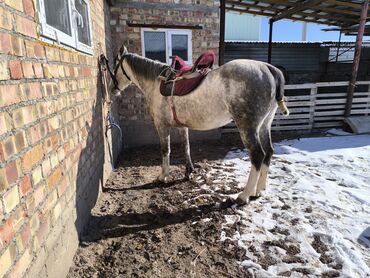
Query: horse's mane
145,67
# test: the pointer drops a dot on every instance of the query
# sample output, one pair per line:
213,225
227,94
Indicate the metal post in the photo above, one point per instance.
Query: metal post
304,32
271,23
221,57
356,59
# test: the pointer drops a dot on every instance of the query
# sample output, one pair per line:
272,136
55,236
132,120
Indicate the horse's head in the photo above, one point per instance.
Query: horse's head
120,80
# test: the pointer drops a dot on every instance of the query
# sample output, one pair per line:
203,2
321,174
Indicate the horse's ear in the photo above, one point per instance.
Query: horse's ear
123,50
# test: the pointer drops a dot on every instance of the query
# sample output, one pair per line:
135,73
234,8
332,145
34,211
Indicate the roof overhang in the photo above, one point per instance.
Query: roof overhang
338,13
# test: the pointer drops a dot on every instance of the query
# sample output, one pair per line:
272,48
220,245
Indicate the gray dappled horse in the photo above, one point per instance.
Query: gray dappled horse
245,91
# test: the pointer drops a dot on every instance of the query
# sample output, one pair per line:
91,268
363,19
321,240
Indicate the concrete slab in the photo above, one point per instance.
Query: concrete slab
359,125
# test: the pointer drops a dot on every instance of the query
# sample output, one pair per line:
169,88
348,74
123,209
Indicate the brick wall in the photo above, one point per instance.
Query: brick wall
53,153
133,113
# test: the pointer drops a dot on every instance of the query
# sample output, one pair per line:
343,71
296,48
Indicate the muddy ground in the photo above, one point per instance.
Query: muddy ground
141,228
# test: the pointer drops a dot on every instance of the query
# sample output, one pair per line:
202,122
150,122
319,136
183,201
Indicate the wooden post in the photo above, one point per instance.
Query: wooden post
356,59
340,38
221,55
271,23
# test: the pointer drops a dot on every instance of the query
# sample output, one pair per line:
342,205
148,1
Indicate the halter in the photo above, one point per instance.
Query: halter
113,75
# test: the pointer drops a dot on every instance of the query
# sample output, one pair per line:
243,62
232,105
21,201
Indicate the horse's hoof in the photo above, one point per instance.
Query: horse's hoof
241,201
188,176
162,179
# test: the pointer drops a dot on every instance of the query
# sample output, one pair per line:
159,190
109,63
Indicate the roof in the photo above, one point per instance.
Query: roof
329,12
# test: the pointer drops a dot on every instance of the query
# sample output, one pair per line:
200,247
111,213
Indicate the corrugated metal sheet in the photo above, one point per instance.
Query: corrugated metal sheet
251,27
292,56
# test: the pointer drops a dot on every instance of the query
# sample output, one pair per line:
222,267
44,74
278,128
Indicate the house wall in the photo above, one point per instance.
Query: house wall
53,153
137,124
242,27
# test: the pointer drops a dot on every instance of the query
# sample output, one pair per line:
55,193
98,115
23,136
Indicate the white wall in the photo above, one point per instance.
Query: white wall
242,27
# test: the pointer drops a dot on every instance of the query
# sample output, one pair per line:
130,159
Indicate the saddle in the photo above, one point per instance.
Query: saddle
180,79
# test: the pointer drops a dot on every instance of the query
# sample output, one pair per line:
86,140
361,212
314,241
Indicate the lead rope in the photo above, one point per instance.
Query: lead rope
110,121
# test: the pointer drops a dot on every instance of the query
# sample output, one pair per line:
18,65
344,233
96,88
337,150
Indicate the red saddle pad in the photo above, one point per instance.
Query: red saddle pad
183,87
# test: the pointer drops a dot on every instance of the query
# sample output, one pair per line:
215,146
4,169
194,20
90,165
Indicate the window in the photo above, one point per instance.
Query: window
67,22
161,44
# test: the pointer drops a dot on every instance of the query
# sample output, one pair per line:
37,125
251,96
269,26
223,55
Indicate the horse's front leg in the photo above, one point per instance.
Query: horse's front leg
164,137
184,134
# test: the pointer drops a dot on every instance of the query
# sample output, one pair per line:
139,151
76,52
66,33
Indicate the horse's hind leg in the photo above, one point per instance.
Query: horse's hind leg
252,142
184,134
265,137
164,138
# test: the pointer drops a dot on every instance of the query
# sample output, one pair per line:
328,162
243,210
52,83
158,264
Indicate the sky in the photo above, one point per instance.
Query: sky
286,30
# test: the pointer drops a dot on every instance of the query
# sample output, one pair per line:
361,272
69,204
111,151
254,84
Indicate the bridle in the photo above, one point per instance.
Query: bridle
113,74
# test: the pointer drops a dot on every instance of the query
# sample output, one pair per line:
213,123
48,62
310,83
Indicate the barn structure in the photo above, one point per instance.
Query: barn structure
54,153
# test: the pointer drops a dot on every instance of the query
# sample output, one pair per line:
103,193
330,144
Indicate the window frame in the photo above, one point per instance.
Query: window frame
168,32
51,34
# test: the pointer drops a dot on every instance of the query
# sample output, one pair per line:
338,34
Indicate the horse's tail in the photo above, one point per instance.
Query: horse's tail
279,94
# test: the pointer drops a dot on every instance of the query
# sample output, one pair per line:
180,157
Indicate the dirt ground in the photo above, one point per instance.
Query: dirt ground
141,228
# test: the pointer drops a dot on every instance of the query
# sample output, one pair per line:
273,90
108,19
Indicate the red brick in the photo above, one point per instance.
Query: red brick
34,134
3,182
38,195
16,4
4,73
12,171
15,69
52,53
63,186
34,49
32,157
25,186
7,147
6,232
25,237
11,199
9,94
5,43
30,91
54,178
7,258
24,115
18,218
39,73
27,69
20,141
25,26
55,141
28,7
5,19
17,45
46,167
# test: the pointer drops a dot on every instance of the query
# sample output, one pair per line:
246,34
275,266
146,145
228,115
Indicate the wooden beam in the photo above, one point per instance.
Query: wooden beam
249,12
155,26
298,8
356,59
345,4
290,18
221,55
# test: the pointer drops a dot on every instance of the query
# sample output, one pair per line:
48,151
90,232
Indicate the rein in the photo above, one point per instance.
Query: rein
110,122
104,61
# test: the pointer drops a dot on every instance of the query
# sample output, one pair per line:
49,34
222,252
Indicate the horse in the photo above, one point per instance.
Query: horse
246,91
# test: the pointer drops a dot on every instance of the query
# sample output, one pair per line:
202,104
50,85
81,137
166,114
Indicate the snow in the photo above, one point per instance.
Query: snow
319,189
